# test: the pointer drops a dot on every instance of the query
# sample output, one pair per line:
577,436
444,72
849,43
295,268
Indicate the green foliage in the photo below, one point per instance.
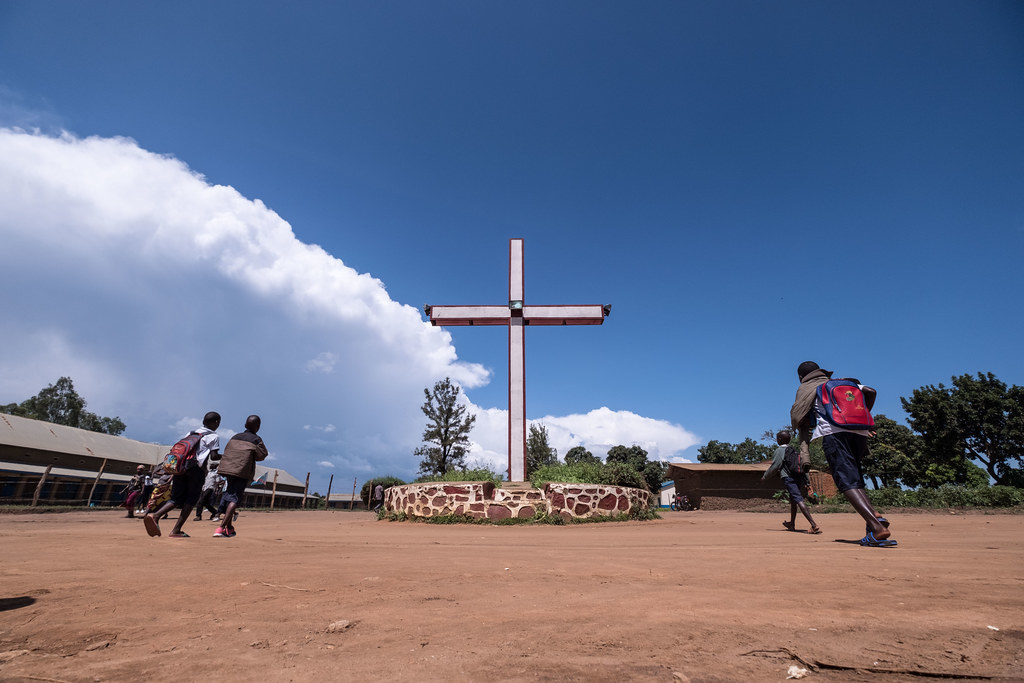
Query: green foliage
478,474
368,486
653,473
945,496
978,418
747,451
538,451
609,474
447,431
578,454
59,403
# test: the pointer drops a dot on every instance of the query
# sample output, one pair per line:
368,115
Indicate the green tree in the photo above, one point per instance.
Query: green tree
538,451
578,454
747,451
636,458
59,403
895,454
978,418
446,436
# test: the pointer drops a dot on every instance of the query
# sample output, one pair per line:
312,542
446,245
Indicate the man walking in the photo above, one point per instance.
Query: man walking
186,487
793,478
237,466
845,448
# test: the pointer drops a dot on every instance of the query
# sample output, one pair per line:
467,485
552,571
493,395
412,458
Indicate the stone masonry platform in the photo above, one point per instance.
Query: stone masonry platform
484,500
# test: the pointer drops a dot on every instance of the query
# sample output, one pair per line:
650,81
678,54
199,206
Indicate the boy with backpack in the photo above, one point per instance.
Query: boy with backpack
186,463
787,463
839,411
237,466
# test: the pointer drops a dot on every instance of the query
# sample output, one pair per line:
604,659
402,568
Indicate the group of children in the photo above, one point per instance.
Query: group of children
207,479
838,412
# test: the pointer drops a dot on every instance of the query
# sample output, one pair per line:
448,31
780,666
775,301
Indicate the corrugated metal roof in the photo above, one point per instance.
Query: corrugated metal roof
343,498
712,467
22,432
22,468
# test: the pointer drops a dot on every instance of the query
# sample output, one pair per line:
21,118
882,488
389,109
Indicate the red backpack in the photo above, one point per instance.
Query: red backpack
842,404
182,454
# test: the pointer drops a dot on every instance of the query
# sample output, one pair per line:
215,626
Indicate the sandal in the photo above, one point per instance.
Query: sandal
180,534
790,525
870,541
814,530
152,528
881,520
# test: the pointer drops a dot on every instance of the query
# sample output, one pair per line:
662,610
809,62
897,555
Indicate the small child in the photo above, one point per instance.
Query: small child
796,483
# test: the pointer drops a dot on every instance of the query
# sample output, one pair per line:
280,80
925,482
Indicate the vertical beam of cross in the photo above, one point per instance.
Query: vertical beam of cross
517,316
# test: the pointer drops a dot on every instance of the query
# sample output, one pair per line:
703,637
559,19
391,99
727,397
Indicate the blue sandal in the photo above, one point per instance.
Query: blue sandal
870,541
881,520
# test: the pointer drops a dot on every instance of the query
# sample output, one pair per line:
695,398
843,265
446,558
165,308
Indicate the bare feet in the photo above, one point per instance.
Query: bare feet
815,530
790,525
152,526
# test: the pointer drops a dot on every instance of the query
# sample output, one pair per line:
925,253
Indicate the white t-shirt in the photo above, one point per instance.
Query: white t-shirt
824,427
209,442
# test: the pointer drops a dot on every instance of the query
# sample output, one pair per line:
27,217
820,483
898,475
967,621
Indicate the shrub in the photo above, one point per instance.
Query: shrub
478,474
609,474
945,496
386,481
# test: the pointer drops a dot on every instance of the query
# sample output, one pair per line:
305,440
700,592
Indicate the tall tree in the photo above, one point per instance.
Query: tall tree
978,418
538,451
59,403
747,451
447,432
895,452
636,458
578,454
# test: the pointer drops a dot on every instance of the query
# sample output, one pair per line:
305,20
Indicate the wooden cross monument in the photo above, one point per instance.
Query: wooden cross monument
517,315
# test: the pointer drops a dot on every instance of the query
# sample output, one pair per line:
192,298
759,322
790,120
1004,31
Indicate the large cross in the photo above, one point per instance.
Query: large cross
517,315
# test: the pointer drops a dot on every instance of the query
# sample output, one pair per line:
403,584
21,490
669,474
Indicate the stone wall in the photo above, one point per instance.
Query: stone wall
482,500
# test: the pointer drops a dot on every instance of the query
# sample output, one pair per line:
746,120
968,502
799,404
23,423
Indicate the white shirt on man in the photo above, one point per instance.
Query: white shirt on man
209,442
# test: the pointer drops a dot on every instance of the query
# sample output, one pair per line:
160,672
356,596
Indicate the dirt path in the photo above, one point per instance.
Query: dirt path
91,597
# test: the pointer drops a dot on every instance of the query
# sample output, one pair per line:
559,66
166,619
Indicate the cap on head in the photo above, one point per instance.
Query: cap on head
806,368
211,420
252,423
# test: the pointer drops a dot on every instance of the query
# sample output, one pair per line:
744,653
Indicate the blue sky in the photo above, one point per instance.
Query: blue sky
750,185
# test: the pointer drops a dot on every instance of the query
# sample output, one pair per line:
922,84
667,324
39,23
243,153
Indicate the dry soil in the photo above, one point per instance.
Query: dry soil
699,595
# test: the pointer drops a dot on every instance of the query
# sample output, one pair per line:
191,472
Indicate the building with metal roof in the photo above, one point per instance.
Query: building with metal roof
699,480
54,464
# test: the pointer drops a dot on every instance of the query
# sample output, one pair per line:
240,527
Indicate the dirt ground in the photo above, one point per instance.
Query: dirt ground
700,595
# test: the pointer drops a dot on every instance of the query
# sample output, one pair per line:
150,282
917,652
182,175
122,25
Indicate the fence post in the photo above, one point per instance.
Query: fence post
103,466
305,491
273,495
327,501
352,503
39,486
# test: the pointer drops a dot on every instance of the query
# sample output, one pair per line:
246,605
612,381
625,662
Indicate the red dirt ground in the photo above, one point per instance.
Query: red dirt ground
701,595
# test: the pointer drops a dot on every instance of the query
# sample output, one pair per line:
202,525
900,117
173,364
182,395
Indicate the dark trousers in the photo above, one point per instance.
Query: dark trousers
207,499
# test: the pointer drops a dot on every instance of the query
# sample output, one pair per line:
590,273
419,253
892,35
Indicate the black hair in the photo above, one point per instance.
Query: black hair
783,437
806,368
211,420
252,423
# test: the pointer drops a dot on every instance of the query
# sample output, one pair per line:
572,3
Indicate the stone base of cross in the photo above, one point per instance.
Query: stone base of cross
516,315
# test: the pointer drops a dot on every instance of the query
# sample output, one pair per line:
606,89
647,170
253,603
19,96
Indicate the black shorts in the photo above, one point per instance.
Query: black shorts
795,486
185,488
845,451
234,488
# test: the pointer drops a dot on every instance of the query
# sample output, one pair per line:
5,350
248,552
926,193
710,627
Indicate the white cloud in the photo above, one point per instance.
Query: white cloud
162,295
324,363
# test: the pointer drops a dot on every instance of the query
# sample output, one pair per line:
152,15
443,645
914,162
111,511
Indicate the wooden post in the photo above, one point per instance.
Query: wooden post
327,501
103,466
352,503
305,491
273,494
39,486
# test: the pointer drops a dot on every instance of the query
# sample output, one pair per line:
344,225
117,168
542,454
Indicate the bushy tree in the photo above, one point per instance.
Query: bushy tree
747,451
538,451
59,403
386,482
978,418
578,454
635,457
895,454
447,431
